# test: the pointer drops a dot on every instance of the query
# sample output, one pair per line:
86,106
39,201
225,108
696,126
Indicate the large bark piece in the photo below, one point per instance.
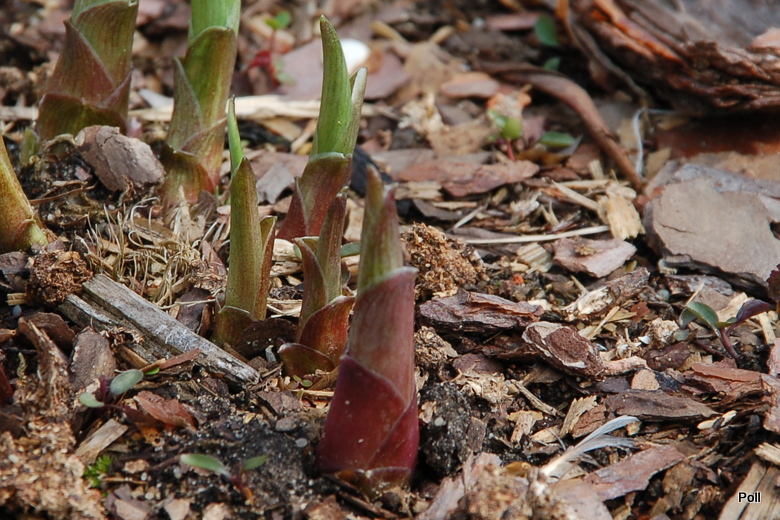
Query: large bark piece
701,56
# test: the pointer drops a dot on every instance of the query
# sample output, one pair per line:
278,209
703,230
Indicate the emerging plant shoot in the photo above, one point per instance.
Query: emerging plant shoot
330,162
90,84
19,226
324,321
251,248
371,433
193,151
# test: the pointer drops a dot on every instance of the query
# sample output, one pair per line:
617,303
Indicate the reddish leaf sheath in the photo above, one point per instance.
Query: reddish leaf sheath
371,433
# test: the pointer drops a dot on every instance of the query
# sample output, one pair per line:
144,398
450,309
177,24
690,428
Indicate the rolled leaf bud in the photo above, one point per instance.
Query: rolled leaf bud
371,433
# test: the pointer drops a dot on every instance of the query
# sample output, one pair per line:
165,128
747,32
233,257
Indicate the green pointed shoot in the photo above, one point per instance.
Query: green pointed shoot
205,462
19,226
251,248
90,84
324,321
371,433
193,150
330,162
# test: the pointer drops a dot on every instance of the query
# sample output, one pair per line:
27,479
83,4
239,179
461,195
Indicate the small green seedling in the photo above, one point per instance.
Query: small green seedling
511,129
265,59
216,466
111,391
546,31
703,313
95,473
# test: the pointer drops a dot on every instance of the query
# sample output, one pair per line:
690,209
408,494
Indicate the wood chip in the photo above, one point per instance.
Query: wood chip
613,293
563,348
476,312
655,405
577,408
597,258
633,473
92,359
619,213
461,178
771,386
119,162
99,440
691,224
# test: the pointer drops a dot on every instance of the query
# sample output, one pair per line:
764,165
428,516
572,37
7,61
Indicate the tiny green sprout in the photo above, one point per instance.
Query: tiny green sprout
254,462
123,382
216,466
152,371
699,311
205,462
556,140
546,31
511,127
303,382
705,314
95,472
280,21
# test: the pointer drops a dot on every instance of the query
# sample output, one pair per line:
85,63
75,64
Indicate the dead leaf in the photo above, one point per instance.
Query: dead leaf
461,139
167,411
461,178
387,78
470,84
276,172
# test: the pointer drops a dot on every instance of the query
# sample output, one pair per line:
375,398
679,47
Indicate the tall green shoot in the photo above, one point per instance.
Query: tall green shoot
193,149
330,162
251,248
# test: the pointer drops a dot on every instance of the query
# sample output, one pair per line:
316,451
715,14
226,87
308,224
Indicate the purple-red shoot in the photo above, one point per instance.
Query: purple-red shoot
371,433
